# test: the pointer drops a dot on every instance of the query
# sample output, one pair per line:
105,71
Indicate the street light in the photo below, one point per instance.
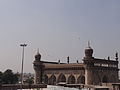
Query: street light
22,45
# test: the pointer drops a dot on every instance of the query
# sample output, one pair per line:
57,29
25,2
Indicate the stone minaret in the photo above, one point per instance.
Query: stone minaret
88,65
88,52
38,67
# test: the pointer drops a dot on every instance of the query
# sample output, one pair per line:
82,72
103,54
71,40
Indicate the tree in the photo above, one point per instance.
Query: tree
1,77
9,77
29,80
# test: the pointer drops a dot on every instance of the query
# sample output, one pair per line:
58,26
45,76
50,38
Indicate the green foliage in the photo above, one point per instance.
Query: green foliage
8,77
29,81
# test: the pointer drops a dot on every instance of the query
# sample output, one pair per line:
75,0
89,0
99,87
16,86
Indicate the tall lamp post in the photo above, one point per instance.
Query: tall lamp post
22,45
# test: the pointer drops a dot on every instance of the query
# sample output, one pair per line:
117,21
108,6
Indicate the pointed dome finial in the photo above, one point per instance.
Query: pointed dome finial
37,56
89,44
38,51
116,56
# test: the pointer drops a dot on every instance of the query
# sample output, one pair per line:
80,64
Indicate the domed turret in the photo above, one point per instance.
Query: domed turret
37,56
116,56
39,68
88,52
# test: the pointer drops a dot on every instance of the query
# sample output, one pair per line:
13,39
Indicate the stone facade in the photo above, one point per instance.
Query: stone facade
92,71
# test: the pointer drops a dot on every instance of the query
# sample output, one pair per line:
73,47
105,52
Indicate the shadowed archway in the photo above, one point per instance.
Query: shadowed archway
113,79
61,78
52,80
71,79
96,79
81,80
104,79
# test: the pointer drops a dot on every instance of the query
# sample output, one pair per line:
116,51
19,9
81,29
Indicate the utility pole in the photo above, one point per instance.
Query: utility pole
23,46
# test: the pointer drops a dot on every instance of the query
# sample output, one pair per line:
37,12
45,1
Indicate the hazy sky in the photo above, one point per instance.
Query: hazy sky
59,28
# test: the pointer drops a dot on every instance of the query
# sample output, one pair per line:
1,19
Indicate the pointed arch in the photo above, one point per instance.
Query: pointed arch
104,79
71,79
81,80
113,80
52,80
96,79
45,79
61,78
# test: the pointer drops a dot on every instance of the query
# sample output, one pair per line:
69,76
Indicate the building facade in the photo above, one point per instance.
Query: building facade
92,71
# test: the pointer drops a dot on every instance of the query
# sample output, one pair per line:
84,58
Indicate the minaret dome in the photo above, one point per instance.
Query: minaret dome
88,51
38,56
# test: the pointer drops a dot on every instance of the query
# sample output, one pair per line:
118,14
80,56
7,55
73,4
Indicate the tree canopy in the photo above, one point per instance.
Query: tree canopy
8,77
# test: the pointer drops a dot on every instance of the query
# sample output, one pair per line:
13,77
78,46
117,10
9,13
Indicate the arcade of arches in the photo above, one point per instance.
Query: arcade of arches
71,79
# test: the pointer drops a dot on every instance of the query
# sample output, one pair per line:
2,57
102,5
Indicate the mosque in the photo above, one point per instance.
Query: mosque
92,71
